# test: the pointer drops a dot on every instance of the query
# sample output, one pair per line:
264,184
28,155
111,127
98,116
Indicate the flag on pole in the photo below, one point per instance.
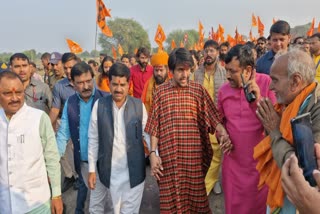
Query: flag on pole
173,45
260,27
310,31
160,37
181,45
102,13
254,21
120,50
319,27
114,53
74,47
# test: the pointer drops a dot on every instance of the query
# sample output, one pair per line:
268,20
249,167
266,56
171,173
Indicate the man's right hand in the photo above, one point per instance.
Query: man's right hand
156,166
92,179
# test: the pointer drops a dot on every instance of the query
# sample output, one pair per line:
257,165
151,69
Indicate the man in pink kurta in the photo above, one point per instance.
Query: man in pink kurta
239,175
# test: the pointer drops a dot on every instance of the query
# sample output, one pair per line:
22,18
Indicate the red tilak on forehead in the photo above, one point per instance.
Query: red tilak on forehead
118,81
13,89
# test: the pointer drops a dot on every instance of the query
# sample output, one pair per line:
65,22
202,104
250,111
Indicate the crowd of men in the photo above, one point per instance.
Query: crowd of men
195,115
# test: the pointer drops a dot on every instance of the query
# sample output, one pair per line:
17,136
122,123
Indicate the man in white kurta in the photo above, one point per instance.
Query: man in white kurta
126,199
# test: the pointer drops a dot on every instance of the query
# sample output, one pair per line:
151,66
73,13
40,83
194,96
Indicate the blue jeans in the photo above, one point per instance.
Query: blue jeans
81,196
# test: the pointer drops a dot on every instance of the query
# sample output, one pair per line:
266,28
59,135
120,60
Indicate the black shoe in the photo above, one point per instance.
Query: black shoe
67,183
76,184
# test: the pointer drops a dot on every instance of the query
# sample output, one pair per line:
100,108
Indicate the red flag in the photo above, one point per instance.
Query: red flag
114,53
173,45
102,13
260,27
160,36
73,46
254,21
310,31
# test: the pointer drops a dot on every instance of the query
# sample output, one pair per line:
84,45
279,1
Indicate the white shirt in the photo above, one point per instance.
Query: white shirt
119,153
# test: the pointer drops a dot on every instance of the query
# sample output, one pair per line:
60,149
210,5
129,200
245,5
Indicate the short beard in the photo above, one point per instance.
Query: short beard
160,80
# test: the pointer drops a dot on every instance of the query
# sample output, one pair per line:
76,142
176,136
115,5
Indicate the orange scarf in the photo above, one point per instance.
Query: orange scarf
270,174
103,83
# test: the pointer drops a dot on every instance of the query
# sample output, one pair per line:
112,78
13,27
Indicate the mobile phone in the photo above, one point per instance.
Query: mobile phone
304,145
249,96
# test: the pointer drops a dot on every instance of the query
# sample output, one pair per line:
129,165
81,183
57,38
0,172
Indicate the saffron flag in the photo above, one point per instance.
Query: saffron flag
181,45
102,13
160,36
251,36
273,21
120,50
221,33
319,27
237,36
310,31
254,21
114,53
200,27
260,27
173,45
73,46
231,40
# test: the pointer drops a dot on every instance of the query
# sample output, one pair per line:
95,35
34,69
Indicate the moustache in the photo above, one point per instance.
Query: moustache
117,92
86,90
14,102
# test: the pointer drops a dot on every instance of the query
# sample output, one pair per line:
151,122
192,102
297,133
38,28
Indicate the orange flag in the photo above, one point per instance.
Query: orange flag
231,40
120,50
221,33
319,27
173,45
254,21
237,35
310,31
160,36
102,13
114,53
260,27
181,45
74,47
135,51
273,21
251,36
200,27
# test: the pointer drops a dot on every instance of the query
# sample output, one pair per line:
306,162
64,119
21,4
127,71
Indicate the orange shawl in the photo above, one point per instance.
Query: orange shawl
270,174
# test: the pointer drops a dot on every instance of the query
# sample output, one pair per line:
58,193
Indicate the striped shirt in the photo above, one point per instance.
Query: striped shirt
181,118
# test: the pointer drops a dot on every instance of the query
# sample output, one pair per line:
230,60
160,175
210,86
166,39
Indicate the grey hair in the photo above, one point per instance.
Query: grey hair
300,62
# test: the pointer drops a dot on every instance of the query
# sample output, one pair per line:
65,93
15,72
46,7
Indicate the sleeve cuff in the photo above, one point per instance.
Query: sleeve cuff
56,191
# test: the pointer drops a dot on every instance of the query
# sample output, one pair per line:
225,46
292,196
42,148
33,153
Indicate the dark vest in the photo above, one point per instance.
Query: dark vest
134,144
74,124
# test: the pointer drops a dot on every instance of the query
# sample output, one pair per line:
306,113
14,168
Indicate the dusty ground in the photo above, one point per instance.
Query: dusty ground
150,200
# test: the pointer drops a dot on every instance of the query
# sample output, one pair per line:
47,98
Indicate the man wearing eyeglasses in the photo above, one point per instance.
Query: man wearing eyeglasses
74,124
37,93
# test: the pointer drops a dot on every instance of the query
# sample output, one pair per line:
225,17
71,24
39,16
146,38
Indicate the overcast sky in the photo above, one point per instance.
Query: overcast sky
44,25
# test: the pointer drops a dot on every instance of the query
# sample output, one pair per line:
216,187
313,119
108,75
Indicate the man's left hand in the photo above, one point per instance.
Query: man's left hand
267,115
56,206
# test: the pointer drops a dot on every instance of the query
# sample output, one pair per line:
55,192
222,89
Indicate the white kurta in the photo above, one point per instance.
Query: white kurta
125,199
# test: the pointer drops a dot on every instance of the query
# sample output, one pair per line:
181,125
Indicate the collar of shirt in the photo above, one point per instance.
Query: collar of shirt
116,107
33,82
65,82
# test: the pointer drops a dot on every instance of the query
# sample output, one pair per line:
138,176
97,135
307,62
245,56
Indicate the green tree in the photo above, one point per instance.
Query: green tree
126,32
31,54
178,36
94,53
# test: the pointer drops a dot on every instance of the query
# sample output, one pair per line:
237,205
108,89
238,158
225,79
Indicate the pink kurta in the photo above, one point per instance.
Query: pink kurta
239,175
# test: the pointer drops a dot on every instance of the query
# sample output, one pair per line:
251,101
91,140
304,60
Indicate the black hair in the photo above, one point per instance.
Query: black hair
281,27
262,38
119,70
243,53
296,39
103,54
92,61
106,58
46,55
211,43
226,44
33,64
19,56
81,68
315,35
179,56
144,51
66,57
125,56
10,75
